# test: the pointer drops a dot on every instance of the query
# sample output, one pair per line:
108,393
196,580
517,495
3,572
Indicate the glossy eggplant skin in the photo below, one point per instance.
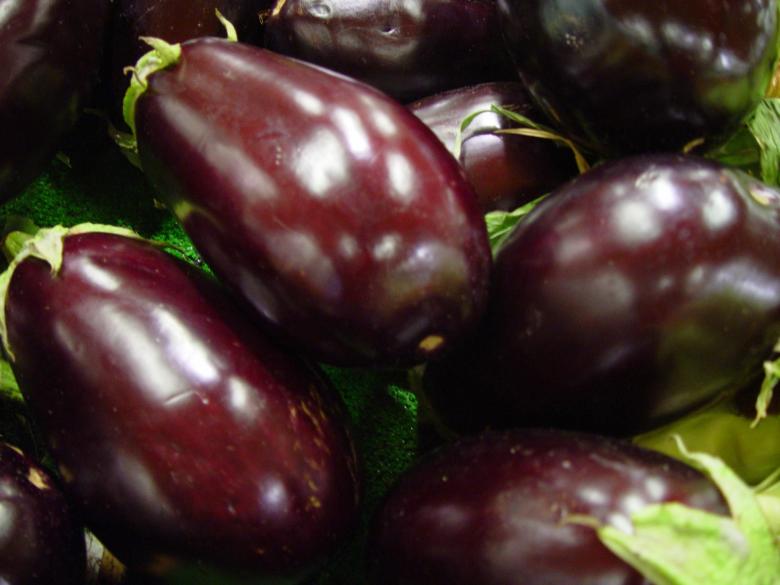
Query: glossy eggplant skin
174,21
49,54
633,294
408,49
334,211
42,542
630,76
506,171
492,509
186,439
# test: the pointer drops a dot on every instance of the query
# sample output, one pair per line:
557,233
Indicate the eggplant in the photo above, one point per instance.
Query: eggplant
500,508
408,49
329,207
638,292
631,76
49,55
41,539
505,170
190,443
174,21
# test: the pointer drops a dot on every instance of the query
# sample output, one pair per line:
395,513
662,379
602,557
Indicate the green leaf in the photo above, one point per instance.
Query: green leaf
771,378
501,223
755,148
764,125
741,151
8,386
671,544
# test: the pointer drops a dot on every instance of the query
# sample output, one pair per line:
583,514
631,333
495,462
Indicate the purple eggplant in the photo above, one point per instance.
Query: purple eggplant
630,76
189,442
493,510
49,53
632,295
174,21
408,49
41,540
332,209
506,171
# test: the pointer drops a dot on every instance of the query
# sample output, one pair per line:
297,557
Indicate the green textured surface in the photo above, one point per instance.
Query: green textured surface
98,185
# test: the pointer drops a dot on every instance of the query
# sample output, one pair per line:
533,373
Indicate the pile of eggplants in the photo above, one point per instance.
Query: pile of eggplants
186,417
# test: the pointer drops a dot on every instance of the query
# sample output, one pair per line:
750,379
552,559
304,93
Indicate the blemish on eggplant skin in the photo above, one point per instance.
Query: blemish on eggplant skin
36,478
431,343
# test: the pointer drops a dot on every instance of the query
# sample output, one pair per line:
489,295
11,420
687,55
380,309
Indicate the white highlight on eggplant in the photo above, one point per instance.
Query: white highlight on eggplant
99,277
300,257
636,222
186,350
308,102
245,403
7,519
387,246
354,132
321,164
718,211
400,173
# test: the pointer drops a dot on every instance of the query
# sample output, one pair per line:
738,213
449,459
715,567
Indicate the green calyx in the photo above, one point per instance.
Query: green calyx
162,56
671,544
46,244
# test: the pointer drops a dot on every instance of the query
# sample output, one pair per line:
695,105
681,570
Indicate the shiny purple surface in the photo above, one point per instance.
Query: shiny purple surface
41,542
640,76
492,510
505,171
49,52
633,294
333,210
184,436
408,49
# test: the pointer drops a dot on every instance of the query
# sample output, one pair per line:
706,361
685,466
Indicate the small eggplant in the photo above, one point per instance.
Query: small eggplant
500,508
190,443
332,209
49,54
632,295
41,540
406,48
505,170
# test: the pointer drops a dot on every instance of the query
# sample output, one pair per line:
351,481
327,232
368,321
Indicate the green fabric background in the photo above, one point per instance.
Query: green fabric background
90,181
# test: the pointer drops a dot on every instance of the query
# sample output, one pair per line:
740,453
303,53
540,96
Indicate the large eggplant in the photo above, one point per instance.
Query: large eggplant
496,509
406,48
331,208
505,170
49,53
635,293
630,76
189,442
41,539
